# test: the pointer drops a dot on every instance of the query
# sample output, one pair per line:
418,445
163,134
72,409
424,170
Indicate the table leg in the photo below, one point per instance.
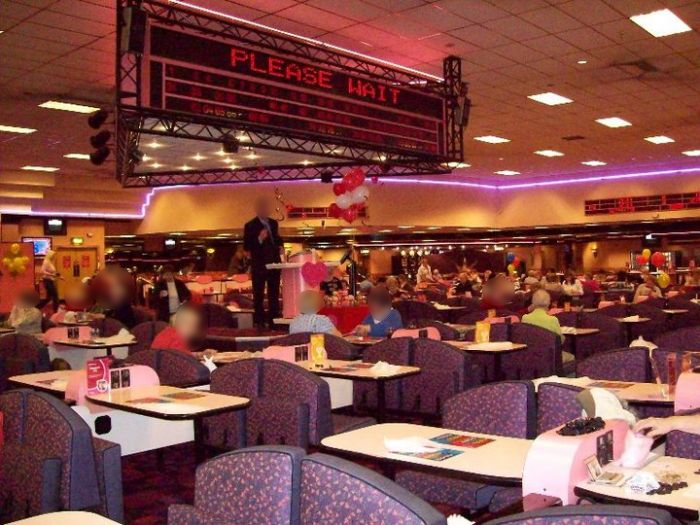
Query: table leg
498,373
381,400
628,332
108,349
574,339
199,439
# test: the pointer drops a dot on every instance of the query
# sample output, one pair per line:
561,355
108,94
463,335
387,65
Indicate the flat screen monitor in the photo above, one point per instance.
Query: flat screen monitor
54,226
41,244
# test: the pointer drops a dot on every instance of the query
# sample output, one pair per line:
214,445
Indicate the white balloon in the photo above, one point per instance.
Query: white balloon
344,201
359,195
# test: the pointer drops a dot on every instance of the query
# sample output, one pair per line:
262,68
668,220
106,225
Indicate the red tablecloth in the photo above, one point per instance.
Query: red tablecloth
345,318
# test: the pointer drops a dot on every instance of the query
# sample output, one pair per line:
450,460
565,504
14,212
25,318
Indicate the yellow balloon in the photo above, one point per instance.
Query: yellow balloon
25,260
663,280
511,268
14,248
646,252
6,261
21,268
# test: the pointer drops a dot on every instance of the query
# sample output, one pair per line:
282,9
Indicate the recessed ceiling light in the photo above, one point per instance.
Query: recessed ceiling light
692,153
185,167
582,62
659,139
507,172
594,163
492,139
198,157
549,153
433,228
405,227
15,129
306,162
613,122
661,23
385,231
39,168
156,165
549,98
154,144
458,165
67,106
79,156
252,155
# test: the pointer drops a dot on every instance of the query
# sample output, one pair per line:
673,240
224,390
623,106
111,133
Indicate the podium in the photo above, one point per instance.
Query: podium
293,282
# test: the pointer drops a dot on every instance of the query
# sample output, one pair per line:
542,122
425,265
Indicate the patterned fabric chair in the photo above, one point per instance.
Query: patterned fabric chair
556,404
480,315
443,374
143,315
683,445
480,409
253,485
21,354
395,351
335,491
543,356
611,334
240,378
589,515
336,347
616,311
681,339
692,318
447,333
568,318
144,333
623,364
652,329
51,462
174,367
294,408
107,326
217,315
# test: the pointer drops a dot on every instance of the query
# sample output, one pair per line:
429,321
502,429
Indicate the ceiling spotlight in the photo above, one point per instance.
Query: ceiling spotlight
659,139
327,177
593,163
231,145
16,129
102,138
100,155
492,139
98,118
549,153
661,23
613,122
507,172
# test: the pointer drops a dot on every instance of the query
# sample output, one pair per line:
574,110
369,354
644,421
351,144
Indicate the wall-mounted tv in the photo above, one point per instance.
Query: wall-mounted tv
41,244
54,226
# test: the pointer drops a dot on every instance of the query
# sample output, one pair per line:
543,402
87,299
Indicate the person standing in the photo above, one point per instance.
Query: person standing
169,293
48,277
262,241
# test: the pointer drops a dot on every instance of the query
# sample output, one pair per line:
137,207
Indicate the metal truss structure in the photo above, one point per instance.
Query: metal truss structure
134,119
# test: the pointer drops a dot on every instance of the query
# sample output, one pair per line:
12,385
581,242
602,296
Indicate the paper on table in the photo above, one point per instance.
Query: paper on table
456,519
209,363
631,318
382,368
568,330
408,445
124,336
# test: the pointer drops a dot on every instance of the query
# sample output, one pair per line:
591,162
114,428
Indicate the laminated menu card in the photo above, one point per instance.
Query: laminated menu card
97,371
461,440
439,454
482,332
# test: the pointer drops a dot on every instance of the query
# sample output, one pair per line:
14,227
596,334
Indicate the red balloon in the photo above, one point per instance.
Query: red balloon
516,262
641,260
349,214
339,188
658,259
334,210
353,179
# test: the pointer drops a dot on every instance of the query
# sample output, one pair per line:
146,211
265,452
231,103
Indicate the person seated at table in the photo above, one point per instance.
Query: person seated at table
382,318
531,279
424,275
648,289
590,284
25,317
187,332
113,289
692,280
405,284
392,284
309,303
551,283
572,286
539,315
496,293
239,263
659,426
463,286
169,293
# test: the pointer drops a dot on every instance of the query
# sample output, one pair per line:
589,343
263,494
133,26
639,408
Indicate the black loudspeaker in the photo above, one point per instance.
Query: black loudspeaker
133,36
103,425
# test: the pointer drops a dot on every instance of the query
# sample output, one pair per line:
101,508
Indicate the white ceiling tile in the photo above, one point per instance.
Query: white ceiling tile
480,36
515,28
354,9
477,11
303,13
551,46
551,19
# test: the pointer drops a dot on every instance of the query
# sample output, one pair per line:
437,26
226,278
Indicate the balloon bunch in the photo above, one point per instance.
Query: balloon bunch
14,261
658,259
351,196
643,258
513,263
663,280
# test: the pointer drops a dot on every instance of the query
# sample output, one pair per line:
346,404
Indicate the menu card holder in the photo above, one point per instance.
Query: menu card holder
98,377
482,332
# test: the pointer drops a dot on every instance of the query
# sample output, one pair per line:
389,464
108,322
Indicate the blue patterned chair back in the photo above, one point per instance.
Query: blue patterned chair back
334,490
252,485
504,409
556,404
681,339
615,310
543,356
623,364
217,315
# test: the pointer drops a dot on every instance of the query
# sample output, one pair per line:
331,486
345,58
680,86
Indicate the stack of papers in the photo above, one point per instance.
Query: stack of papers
631,318
382,368
124,336
408,445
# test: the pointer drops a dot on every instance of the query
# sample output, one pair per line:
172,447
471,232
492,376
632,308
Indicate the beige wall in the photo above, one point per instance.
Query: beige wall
391,204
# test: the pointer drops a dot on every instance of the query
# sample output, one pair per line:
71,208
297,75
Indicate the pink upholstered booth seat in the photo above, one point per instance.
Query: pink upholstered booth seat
430,333
141,375
60,333
203,279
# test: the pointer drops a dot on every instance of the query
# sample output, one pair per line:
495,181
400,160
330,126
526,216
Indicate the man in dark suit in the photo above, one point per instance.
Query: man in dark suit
262,241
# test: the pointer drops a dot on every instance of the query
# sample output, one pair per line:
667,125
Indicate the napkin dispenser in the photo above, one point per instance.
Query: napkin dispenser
565,457
687,396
